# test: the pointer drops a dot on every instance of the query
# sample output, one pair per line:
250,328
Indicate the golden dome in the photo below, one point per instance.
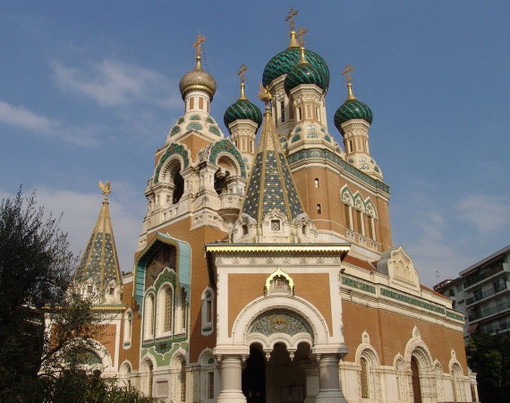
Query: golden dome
197,80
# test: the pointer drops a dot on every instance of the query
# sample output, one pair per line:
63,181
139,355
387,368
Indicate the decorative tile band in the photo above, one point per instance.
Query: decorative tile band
358,284
413,301
456,316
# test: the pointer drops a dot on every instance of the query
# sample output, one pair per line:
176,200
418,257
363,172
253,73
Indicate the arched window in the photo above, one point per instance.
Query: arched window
369,382
128,326
207,311
457,385
165,310
148,377
148,316
180,311
347,204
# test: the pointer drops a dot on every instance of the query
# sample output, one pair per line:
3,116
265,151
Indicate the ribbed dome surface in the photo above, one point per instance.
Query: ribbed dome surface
304,73
352,109
197,80
242,109
285,61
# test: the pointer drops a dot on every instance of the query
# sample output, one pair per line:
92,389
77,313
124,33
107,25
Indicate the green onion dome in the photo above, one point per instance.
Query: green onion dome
304,73
285,61
352,109
242,109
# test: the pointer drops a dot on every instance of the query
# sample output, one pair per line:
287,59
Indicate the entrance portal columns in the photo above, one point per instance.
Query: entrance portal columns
329,380
231,380
312,382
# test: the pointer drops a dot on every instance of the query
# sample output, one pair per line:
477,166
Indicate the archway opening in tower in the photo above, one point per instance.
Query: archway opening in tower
282,378
178,181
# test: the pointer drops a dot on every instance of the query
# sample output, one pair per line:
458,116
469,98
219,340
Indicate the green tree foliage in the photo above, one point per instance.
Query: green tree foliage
46,329
489,357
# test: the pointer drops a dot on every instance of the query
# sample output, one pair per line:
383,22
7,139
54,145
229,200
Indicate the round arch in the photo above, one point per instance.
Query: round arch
302,308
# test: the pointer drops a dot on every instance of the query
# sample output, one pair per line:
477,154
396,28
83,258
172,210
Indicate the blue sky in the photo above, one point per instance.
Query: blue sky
88,90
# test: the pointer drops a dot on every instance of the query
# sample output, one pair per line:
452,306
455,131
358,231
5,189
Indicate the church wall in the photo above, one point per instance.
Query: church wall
389,333
199,278
131,353
107,339
244,288
332,216
194,144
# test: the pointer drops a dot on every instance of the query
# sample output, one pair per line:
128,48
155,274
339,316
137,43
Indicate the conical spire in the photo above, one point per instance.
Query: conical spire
271,185
99,266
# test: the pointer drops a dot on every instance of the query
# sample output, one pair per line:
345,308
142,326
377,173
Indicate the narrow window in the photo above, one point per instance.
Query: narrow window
319,209
317,182
183,381
167,324
347,211
364,378
201,103
191,103
112,290
351,149
245,229
299,114
90,289
359,219
317,113
282,111
149,315
210,385
371,227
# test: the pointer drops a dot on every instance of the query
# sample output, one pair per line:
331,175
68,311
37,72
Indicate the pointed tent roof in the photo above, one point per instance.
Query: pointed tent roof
271,185
100,261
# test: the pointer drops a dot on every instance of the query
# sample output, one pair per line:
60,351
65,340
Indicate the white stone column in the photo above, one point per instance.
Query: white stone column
231,380
329,380
312,382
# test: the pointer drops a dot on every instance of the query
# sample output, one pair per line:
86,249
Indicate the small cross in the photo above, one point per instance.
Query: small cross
300,36
290,18
242,72
347,73
198,44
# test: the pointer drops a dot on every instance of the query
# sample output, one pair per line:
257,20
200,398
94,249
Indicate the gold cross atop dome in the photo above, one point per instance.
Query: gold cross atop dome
348,79
347,73
300,36
290,18
198,45
242,73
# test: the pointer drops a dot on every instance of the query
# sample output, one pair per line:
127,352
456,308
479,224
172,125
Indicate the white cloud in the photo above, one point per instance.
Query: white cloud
80,212
113,83
487,213
23,118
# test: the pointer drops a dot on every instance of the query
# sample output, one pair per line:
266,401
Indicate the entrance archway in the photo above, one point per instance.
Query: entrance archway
254,376
281,378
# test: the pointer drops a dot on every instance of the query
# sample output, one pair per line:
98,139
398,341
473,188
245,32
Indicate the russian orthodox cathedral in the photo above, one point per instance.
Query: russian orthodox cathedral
265,270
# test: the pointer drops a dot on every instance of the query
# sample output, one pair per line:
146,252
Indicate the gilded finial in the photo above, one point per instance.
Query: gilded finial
242,77
290,18
292,24
265,96
348,79
106,188
198,50
300,36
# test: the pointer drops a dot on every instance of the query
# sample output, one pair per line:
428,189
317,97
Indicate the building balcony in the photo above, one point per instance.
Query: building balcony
484,313
487,294
360,239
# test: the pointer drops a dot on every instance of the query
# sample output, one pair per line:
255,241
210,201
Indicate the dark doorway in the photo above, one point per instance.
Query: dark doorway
254,377
416,380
